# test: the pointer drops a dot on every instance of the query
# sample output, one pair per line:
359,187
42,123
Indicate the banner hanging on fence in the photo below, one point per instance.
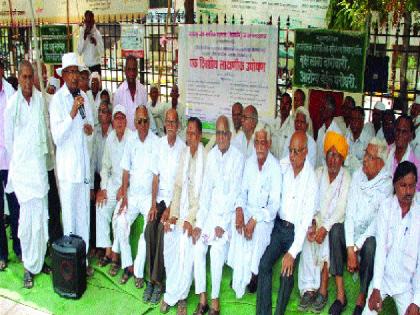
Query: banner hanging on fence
132,40
331,60
223,64
54,43
302,13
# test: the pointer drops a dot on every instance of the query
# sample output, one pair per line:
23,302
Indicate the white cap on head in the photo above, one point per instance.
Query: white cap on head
94,75
118,109
54,82
68,60
84,68
379,106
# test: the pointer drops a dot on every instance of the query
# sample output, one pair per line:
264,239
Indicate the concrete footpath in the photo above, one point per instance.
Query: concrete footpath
9,307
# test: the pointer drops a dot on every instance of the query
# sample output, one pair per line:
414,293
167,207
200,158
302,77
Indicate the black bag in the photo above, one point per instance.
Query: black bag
69,266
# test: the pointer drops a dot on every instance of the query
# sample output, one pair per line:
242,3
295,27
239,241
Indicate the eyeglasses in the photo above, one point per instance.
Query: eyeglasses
71,71
222,133
142,121
296,151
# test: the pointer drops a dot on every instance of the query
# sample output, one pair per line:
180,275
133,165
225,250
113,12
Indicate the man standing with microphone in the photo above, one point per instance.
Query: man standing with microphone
71,127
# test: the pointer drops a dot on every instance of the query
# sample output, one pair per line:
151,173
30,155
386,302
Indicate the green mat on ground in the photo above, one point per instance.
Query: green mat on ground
104,294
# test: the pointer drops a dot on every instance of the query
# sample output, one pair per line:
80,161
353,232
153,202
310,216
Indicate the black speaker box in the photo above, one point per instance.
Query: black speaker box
69,266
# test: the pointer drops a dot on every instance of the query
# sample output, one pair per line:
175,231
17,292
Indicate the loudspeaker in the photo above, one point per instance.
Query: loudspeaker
376,74
69,266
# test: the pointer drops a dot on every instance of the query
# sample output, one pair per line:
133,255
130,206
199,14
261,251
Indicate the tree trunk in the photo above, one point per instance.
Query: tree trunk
189,11
404,60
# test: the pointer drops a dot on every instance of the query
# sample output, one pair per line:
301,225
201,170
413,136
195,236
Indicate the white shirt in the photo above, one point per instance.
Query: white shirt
91,53
357,148
320,156
158,112
311,157
72,155
139,159
6,92
240,142
98,147
299,199
365,197
260,190
167,165
221,184
122,96
95,102
26,143
397,256
50,160
281,137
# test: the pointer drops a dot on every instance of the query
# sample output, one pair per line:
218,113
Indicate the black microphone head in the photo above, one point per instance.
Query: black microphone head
75,93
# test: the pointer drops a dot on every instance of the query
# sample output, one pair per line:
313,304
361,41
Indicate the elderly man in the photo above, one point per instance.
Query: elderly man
157,109
370,185
401,150
94,93
90,45
299,193
256,209
131,94
283,131
169,150
222,179
245,137
302,121
178,242
135,194
6,92
180,109
333,182
375,126
328,124
397,259
26,143
71,128
111,179
84,82
298,99
357,137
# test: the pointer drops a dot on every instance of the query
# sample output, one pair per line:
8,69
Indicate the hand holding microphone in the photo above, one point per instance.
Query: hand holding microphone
78,105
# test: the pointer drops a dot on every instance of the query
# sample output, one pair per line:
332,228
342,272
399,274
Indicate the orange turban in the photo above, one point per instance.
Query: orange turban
334,139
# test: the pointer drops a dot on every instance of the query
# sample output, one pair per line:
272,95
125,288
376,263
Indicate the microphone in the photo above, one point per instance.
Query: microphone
82,112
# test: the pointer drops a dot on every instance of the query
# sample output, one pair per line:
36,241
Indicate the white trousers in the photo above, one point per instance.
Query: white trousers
218,256
178,255
402,301
33,233
75,205
311,262
244,256
103,220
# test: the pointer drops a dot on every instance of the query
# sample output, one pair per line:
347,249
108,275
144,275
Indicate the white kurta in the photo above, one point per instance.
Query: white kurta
259,199
98,145
91,53
363,205
331,210
5,93
222,179
158,112
246,148
281,136
357,149
111,178
26,143
397,256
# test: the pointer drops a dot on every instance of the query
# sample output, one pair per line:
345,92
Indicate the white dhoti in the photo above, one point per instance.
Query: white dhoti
75,205
402,301
122,227
311,261
218,256
178,255
103,219
244,256
33,233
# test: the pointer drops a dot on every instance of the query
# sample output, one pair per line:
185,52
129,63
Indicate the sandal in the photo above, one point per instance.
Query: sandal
115,267
3,265
28,280
126,275
104,261
139,282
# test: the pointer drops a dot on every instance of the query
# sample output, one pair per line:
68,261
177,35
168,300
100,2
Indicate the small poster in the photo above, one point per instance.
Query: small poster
54,43
132,40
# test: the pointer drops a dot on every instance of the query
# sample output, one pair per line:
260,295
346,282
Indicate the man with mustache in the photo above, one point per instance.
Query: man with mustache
397,261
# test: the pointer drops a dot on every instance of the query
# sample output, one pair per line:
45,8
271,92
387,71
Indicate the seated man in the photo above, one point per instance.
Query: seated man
245,137
256,209
221,184
299,193
178,242
111,176
397,262
370,185
139,166
283,129
334,182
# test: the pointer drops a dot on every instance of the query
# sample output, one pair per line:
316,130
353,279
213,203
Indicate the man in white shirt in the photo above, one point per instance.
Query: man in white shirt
244,140
131,94
344,121
135,195
370,185
256,208
397,260
169,149
26,144
94,94
375,126
71,128
91,44
222,179
180,109
298,99
111,179
333,182
283,130
157,109
299,193
178,242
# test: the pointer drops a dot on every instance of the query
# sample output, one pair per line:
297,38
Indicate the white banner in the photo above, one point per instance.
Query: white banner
223,64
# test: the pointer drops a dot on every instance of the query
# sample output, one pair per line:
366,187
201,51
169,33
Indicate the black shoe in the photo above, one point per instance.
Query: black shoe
156,295
147,295
252,286
337,307
358,310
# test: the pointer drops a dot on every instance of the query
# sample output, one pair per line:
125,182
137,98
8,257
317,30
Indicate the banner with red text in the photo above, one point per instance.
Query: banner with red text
223,64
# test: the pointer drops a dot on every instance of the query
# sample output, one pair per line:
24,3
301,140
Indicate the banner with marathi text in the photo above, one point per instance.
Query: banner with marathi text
223,64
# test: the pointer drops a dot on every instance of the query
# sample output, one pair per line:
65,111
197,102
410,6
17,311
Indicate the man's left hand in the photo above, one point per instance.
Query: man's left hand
287,265
249,228
88,129
152,213
412,309
188,227
320,235
219,231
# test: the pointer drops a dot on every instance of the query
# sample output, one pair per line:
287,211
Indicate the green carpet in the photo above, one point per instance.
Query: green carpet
104,294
